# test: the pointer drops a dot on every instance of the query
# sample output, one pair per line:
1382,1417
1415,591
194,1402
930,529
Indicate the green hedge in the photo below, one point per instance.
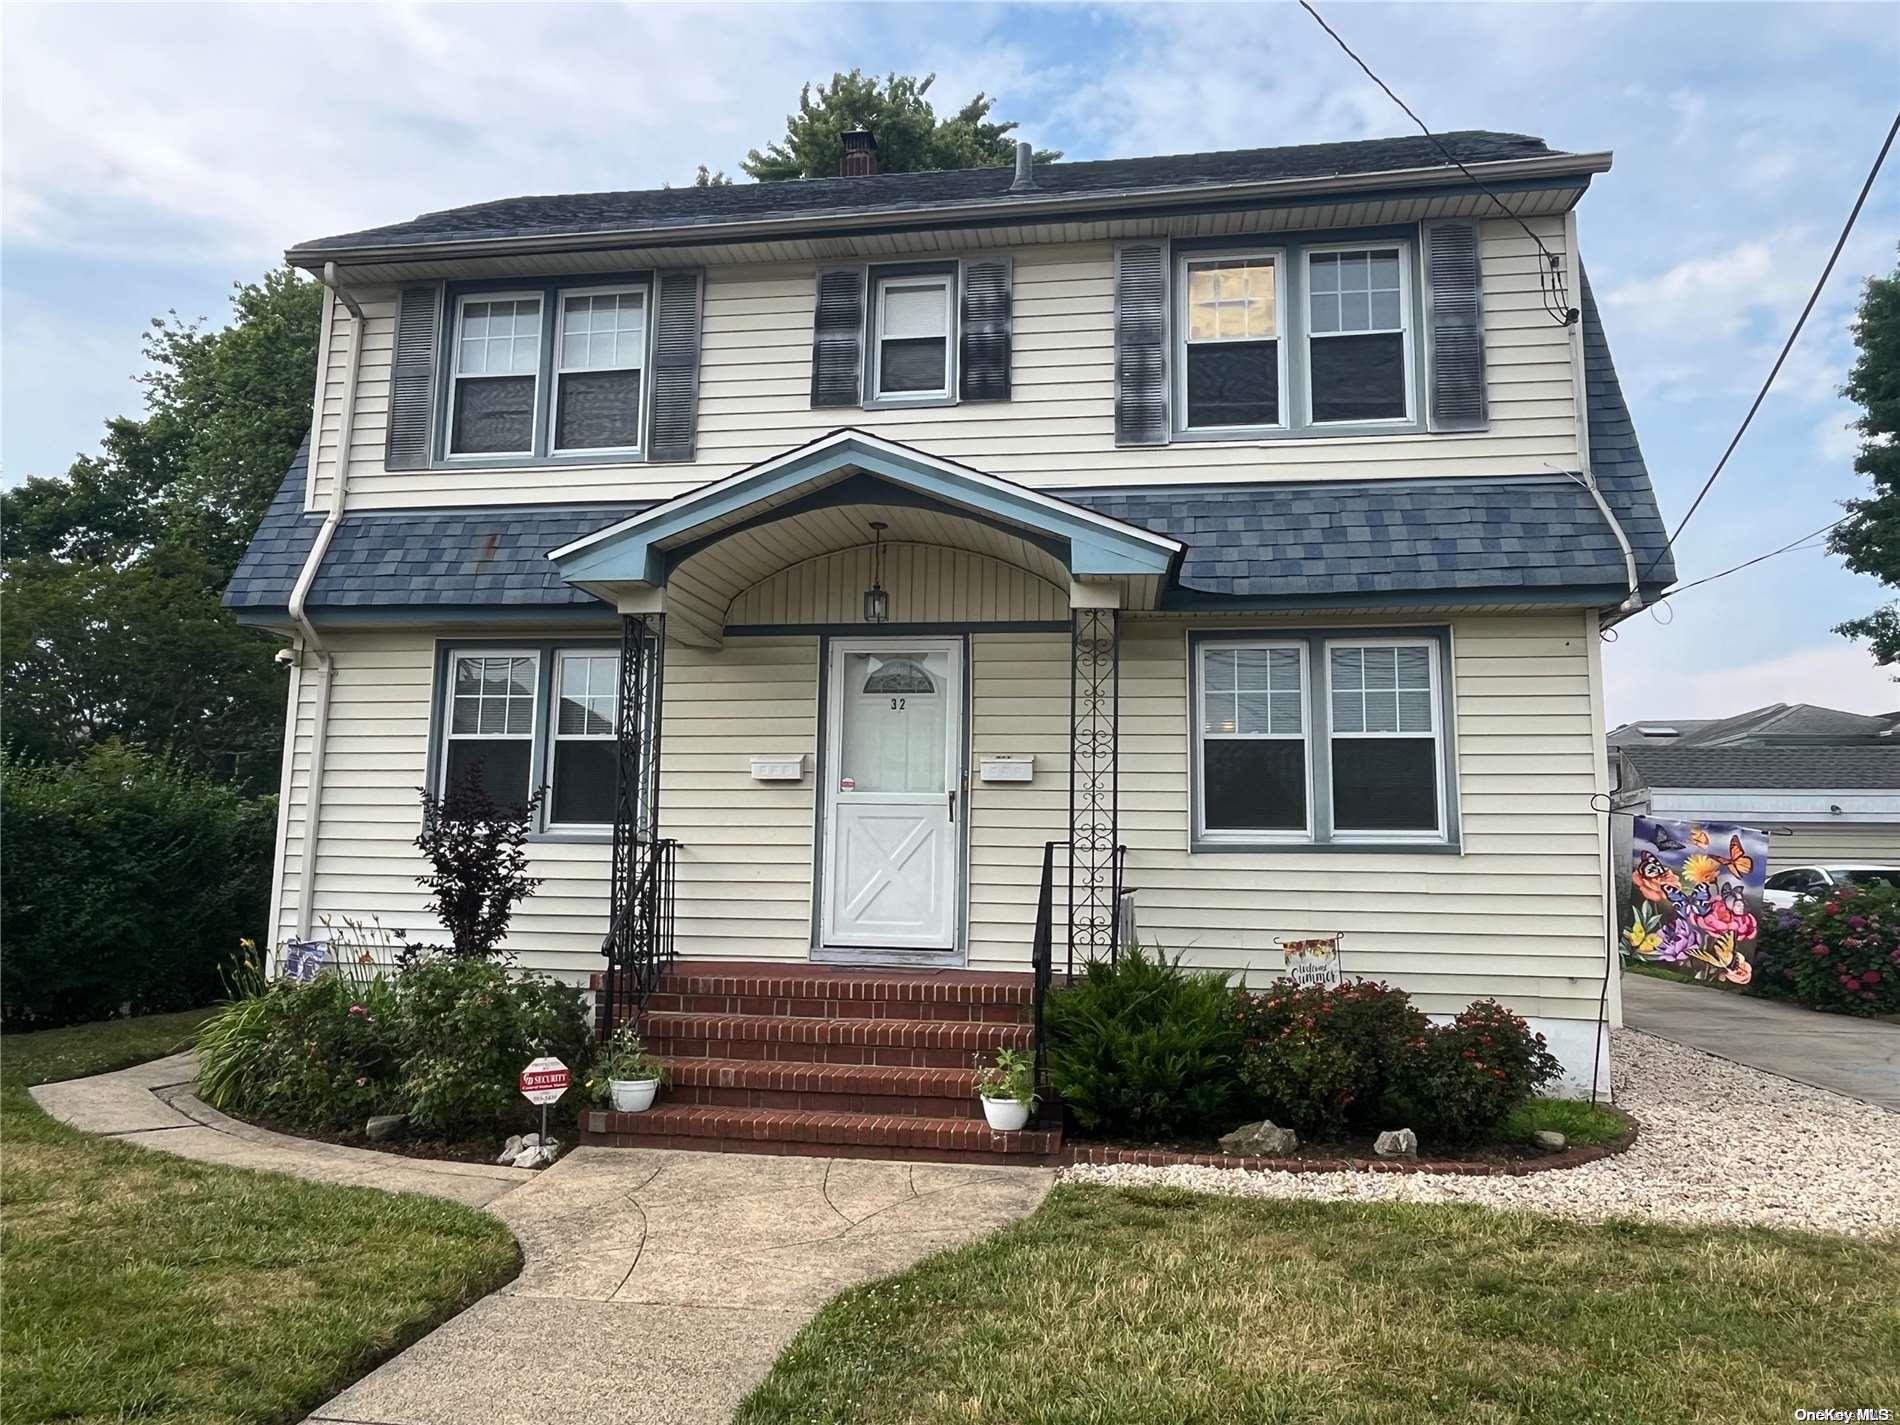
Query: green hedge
128,884
1839,952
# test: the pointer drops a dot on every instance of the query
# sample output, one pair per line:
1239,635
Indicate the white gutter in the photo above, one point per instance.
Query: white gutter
1573,284
1581,165
308,640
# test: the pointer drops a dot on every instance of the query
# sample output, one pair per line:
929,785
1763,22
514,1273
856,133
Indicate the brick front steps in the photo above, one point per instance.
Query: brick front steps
814,1061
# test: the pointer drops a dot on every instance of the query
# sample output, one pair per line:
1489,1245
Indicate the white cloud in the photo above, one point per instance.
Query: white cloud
1837,441
1836,674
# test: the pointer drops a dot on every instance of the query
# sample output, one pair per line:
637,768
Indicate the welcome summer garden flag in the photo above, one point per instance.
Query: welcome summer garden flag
1698,896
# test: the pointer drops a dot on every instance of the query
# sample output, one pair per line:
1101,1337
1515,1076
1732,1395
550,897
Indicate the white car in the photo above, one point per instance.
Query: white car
1782,887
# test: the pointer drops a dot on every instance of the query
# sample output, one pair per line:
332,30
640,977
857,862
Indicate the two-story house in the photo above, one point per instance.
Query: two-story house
1241,523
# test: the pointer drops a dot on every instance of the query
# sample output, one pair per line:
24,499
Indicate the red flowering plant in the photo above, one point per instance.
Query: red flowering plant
1469,1076
1321,1060
1842,952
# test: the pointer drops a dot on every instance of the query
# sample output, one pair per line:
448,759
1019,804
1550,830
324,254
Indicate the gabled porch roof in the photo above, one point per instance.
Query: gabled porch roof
705,547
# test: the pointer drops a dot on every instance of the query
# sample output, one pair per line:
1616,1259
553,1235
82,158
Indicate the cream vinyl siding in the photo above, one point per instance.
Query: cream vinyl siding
927,584
1057,430
1863,843
1517,915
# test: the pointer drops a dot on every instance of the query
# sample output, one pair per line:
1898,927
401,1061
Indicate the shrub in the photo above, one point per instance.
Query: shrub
1838,953
469,1027
1145,1048
1322,1060
129,882
478,868
1461,1081
444,1041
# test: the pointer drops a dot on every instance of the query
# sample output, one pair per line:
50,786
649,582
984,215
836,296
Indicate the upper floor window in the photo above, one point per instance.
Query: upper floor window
521,385
1358,353
910,355
1293,338
1230,363
495,375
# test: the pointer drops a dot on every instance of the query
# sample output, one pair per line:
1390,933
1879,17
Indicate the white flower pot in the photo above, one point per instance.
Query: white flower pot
633,1095
1006,1115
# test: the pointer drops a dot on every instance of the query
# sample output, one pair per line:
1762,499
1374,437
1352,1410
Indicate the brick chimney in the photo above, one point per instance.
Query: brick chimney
860,155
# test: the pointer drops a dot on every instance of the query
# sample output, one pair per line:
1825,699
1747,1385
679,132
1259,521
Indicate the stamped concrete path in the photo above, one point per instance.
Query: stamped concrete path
658,1286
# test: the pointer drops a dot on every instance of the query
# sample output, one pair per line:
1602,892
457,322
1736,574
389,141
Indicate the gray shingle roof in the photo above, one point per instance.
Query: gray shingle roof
1616,459
1857,768
561,215
265,575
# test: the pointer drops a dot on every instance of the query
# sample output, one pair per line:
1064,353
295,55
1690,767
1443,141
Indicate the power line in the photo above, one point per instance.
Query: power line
1550,280
1786,347
1750,563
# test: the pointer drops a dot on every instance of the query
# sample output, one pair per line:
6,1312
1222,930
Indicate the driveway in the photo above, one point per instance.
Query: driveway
656,1288
1856,1057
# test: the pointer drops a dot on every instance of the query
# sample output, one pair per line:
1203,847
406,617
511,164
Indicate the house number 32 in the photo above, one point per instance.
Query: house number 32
897,704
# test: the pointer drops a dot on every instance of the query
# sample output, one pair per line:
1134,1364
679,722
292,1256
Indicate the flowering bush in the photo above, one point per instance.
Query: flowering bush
1839,953
1321,1061
1357,1058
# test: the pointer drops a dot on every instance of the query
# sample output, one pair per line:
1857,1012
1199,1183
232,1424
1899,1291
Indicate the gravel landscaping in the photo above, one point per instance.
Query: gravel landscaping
1720,1143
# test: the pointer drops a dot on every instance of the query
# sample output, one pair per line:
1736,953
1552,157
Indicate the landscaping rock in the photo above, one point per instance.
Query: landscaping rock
384,1126
1260,1140
510,1150
1550,1142
1399,1143
537,1154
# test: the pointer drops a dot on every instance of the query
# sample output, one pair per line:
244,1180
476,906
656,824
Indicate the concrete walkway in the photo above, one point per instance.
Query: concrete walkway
1856,1057
658,1286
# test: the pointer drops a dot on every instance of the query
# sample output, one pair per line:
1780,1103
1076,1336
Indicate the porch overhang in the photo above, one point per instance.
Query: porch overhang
692,555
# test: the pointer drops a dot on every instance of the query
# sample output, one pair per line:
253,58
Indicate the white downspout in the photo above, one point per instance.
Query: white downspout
308,640
1573,278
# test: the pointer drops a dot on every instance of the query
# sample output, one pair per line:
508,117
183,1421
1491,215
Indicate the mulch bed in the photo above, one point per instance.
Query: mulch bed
1356,1156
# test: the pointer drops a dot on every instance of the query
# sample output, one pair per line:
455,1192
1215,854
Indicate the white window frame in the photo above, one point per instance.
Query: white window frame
540,298
1406,329
1242,835
945,280
1435,701
1196,257
450,736
558,369
556,737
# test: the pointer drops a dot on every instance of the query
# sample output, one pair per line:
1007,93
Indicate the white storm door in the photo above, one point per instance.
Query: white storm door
895,729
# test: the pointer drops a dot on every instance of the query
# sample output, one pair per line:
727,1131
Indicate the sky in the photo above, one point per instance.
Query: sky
146,174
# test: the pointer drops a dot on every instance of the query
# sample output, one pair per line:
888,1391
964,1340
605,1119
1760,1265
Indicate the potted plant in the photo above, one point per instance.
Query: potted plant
626,1075
1007,1086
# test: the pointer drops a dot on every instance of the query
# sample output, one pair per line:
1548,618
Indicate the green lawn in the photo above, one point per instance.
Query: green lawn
1161,1305
1585,1125
139,1286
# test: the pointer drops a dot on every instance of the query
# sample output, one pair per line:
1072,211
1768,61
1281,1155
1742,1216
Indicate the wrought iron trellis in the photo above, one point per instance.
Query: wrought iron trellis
636,926
1094,783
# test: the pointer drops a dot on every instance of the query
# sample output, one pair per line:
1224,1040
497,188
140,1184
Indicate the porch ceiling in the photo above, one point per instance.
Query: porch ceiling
706,548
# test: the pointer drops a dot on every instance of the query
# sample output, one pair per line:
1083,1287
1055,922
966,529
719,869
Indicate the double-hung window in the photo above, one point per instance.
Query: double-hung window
1321,738
1231,350
540,717
1357,335
599,360
1298,339
494,386
554,374
911,337
490,729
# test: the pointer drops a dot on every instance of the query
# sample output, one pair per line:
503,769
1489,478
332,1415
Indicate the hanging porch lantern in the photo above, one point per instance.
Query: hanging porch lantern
877,603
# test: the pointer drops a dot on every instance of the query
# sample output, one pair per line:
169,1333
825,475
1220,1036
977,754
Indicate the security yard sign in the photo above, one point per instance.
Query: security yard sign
545,1080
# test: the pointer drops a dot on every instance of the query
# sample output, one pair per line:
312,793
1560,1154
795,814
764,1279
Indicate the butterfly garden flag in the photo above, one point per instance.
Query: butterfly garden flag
1698,894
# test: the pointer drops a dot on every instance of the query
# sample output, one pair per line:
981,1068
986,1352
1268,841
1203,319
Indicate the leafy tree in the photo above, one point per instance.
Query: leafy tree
897,109
478,868
112,574
1870,539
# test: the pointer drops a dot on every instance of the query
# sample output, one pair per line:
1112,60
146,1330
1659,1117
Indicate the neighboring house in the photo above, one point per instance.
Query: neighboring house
827,548
1824,784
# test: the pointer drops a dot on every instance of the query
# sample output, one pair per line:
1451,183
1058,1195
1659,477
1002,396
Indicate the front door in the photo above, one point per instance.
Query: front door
895,730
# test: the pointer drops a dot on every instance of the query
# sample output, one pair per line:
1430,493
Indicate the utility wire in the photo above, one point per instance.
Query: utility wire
1550,281
1786,347
1759,558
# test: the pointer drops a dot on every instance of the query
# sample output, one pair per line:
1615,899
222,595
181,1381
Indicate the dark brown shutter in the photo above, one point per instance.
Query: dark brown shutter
675,388
837,338
412,378
983,332
1141,343
1454,322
